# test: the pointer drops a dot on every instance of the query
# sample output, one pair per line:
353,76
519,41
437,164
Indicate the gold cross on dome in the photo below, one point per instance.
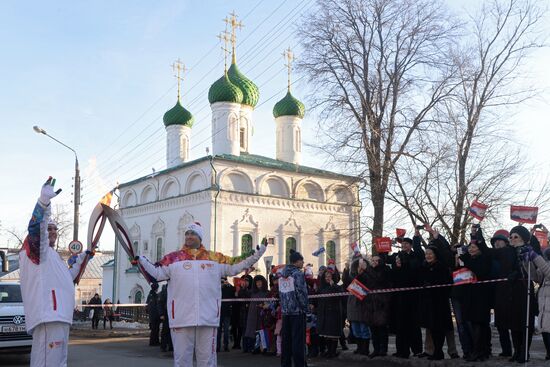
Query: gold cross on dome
289,58
225,38
232,22
179,68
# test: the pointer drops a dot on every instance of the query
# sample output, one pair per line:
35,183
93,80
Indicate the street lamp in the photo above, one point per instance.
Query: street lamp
76,200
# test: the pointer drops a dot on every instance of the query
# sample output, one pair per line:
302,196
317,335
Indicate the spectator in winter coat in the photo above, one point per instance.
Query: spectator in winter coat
228,292
475,303
244,292
95,301
357,309
154,318
254,319
329,312
404,314
378,305
435,310
165,337
511,296
294,306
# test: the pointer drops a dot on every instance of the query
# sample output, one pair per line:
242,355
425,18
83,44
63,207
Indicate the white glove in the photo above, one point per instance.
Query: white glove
47,193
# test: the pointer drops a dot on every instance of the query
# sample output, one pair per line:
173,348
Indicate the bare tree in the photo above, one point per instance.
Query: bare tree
378,68
471,157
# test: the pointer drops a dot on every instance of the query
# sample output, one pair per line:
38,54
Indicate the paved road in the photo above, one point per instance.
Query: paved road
134,352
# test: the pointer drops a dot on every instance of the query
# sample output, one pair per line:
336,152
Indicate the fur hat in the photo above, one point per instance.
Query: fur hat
522,232
196,228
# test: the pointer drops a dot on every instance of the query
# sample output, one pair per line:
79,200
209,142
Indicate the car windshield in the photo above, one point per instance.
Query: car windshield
10,293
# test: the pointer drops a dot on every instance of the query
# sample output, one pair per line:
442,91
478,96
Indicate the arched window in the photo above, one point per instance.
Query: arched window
137,297
160,250
330,248
246,244
290,244
135,247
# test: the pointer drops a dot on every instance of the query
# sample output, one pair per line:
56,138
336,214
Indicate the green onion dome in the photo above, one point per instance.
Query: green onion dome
289,106
223,90
178,115
251,93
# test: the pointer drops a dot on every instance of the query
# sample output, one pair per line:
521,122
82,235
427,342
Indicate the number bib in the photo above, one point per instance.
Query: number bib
286,285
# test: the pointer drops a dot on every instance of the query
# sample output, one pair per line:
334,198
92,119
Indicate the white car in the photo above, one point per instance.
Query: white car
13,334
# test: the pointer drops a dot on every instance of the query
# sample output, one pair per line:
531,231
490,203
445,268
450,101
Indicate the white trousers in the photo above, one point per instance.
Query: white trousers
199,339
50,341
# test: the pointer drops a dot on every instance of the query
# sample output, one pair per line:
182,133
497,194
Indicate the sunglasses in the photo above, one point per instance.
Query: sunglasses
514,237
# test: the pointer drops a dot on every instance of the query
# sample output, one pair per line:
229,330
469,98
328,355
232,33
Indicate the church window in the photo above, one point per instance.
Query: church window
246,244
183,148
137,297
290,244
135,247
298,140
160,250
242,137
145,246
330,248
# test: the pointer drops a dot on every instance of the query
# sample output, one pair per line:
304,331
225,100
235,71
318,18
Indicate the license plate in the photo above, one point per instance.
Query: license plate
13,329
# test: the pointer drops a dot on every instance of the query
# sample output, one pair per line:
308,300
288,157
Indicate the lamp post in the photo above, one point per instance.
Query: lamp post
76,200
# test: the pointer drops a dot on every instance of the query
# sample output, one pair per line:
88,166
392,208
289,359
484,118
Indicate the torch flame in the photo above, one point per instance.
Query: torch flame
106,199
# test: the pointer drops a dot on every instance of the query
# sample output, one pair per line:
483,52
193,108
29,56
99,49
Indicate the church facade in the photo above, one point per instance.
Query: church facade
237,196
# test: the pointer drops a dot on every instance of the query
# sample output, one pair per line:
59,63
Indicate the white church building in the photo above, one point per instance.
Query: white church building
237,196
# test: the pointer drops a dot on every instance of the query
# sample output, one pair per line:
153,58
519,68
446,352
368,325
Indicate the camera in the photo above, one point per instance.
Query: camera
419,227
537,226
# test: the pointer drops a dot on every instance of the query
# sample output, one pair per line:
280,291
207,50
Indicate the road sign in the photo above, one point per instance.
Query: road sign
75,247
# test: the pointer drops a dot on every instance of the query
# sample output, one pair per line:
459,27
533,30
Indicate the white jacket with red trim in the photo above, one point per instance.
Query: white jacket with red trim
194,287
46,281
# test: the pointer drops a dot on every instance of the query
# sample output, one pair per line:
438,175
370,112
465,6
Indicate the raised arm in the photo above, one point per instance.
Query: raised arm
157,271
236,268
75,268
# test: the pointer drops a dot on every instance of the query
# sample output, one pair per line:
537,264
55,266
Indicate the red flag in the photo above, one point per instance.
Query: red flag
524,214
358,289
400,232
542,237
383,244
477,210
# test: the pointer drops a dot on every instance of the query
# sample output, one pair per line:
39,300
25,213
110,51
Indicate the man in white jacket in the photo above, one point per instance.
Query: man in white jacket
46,286
194,294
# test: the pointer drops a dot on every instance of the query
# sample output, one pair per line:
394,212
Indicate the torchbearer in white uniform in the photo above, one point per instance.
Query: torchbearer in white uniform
47,286
194,294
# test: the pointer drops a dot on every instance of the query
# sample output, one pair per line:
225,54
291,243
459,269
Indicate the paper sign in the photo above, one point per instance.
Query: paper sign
358,289
542,237
524,214
463,276
383,244
477,210
400,232
286,285
355,248
237,283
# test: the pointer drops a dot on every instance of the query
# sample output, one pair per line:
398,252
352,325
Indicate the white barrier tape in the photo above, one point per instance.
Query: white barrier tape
326,295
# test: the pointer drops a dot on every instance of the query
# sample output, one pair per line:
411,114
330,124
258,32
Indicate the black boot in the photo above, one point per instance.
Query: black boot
366,348
360,346
343,343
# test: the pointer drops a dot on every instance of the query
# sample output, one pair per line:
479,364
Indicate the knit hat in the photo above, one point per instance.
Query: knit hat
295,256
522,232
195,228
501,234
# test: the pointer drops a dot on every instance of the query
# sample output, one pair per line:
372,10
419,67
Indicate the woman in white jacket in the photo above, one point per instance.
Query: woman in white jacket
194,294
46,286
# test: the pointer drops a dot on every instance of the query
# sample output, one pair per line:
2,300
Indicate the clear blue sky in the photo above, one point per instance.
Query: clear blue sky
96,75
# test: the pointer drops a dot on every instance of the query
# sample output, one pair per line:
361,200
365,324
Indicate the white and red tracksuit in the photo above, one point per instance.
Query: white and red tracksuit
48,293
194,298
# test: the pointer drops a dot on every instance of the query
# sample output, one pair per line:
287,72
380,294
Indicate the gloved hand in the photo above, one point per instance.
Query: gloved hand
530,253
135,261
91,254
47,193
